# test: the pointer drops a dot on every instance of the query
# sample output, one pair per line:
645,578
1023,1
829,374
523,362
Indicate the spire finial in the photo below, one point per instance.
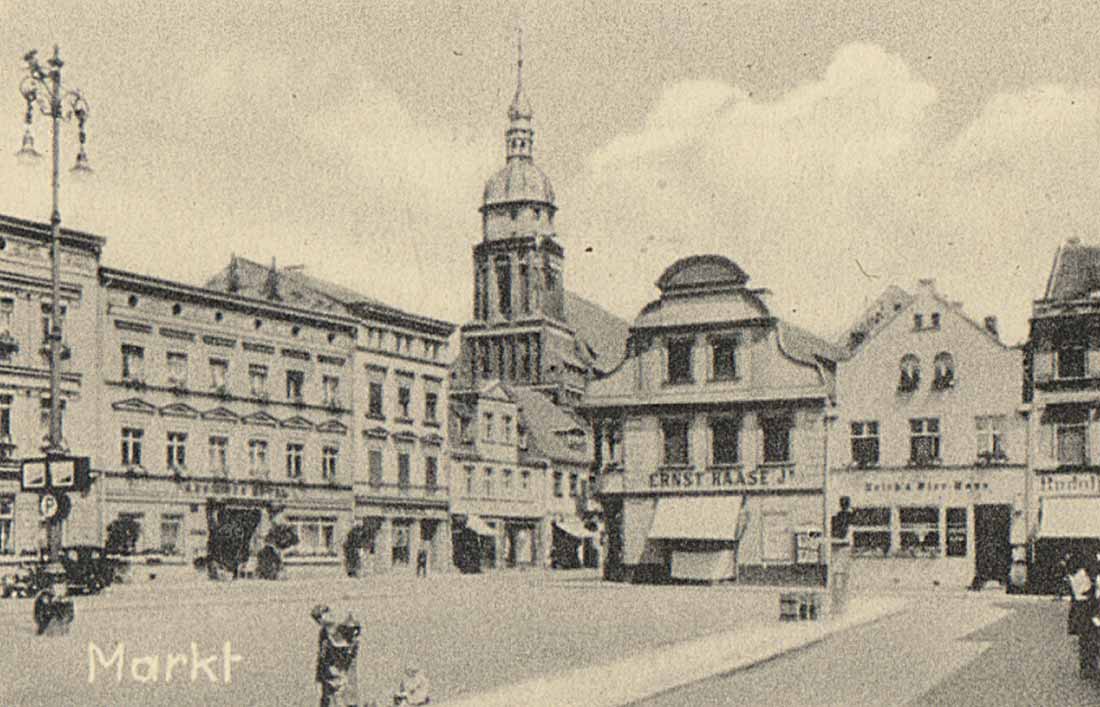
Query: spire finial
519,53
520,108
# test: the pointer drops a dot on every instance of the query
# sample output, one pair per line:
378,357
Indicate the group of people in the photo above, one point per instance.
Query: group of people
1082,580
338,665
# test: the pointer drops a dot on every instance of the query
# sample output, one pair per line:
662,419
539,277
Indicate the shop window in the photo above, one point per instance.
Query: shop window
257,457
375,403
257,380
330,462
920,531
404,471
294,453
401,536
944,368
404,401
176,456
776,540
1071,362
219,454
924,441
316,536
676,441
679,361
870,532
219,374
431,472
295,382
374,465
171,529
177,369
7,524
956,532
990,433
865,444
724,439
910,374
131,446
558,490
724,358
777,439
133,364
1072,439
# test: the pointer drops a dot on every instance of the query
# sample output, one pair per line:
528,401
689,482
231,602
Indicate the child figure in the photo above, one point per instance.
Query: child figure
414,688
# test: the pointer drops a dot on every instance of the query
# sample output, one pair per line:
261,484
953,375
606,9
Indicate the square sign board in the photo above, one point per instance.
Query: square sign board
34,475
56,473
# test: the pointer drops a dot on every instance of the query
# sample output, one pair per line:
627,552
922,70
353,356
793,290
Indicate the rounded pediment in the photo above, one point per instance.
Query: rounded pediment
702,272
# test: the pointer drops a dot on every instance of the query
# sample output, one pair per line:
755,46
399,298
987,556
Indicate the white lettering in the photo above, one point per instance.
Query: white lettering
204,664
118,655
171,661
151,670
230,659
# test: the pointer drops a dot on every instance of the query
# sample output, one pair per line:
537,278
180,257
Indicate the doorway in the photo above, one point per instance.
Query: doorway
992,547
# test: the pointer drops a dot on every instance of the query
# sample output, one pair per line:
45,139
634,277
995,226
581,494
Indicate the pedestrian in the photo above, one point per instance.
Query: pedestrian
1082,610
1065,570
414,688
422,563
337,658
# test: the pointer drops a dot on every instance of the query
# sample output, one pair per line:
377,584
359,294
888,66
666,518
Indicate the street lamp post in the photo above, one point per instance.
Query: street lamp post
42,89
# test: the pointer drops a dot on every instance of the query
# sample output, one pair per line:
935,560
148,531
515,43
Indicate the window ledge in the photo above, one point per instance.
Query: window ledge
431,423
724,379
676,467
725,466
405,421
373,416
675,383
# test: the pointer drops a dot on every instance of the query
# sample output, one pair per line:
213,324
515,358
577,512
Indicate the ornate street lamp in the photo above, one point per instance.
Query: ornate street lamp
42,89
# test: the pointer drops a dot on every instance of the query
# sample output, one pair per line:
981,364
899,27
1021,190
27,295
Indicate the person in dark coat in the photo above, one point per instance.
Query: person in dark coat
1084,615
422,563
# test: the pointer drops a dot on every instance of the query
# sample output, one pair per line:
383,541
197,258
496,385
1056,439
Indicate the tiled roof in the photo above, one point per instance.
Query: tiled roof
600,330
806,347
885,307
1076,272
546,423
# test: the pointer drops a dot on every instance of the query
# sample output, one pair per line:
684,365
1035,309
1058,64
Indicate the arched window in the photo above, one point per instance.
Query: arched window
910,373
944,365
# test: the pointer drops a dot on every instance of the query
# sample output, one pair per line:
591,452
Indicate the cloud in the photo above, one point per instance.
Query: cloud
839,187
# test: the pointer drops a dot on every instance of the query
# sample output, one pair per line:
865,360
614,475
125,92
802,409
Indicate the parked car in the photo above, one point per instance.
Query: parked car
87,568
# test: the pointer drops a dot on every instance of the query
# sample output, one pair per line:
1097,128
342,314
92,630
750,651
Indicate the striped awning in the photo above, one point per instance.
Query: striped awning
697,518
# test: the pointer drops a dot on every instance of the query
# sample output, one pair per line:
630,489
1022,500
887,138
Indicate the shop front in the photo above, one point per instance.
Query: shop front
1068,523
572,542
950,528
394,534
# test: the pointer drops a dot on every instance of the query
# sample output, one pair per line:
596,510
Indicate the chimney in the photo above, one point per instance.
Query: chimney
991,326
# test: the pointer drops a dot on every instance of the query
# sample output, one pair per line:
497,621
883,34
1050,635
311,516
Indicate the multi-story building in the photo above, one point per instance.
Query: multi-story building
25,307
1062,396
928,444
711,436
397,382
223,408
527,355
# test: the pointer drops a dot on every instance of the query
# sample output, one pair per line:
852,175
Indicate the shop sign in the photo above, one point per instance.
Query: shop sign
925,486
232,488
734,478
1084,484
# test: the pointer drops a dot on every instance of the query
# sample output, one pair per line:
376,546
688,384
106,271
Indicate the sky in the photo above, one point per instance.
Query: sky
830,149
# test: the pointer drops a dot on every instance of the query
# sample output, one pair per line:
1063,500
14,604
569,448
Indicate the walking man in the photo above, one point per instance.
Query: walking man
422,563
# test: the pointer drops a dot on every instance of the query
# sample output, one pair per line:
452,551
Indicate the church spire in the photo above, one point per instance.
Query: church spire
520,136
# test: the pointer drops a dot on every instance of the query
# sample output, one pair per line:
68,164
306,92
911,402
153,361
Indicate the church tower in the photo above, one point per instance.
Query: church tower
519,332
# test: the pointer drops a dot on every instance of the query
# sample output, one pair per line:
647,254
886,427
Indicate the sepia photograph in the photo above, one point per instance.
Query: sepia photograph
549,354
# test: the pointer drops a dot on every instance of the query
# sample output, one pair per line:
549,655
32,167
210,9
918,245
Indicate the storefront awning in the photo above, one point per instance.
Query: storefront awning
696,518
574,527
476,524
1070,517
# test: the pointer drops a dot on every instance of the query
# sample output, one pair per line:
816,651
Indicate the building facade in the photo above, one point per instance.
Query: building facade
1062,397
929,445
711,436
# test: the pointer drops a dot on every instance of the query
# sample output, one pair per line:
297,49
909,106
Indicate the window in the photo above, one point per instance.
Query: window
219,454
431,402
724,358
404,470
1071,362
330,386
404,400
488,481
676,441
920,531
1072,439
521,437
679,361
944,367
469,481
525,481
870,532
924,441
558,484
504,287
330,457
219,373
171,528
375,404
991,446
257,457
47,323
777,439
177,450
5,419
133,363
506,429
257,380
431,472
573,487
935,320
177,369
316,536
865,444
956,532
7,309
44,413
7,525
910,374
524,287
506,482
487,432
374,464
295,381
918,321
401,536
724,439
131,446
294,454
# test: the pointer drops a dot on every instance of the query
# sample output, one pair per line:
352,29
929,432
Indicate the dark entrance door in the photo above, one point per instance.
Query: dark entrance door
230,534
992,549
